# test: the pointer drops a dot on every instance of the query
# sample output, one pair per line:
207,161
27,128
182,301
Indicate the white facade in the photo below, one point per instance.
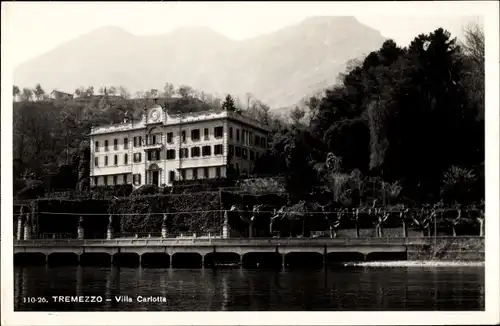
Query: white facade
162,148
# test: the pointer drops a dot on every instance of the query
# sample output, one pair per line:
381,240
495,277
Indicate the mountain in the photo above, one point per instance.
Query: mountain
279,68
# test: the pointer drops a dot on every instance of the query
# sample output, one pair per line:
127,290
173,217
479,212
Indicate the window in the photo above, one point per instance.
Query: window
125,159
231,150
183,153
106,145
105,180
154,155
116,159
244,153
257,141
205,134
218,132
205,173
151,139
137,179
137,158
218,149
115,180
171,176
97,146
171,154
206,150
138,141
252,155
183,136
170,137
195,174
183,174
250,138
243,133
125,179
96,181
217,172
96,161
237,151
115,144
195,151
125,143
231,133
262,142
237,135
195,134
106,160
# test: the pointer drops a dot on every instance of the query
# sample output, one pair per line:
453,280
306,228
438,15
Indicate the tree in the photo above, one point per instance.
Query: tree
80,92
27,94
459,185
39,92
89,91
297,115
474,73
70,126
185,91
16,92
35,135
474,44
153,92
84,167
422,219
112,90
276,217
263,113
168,90
228,104
122,90
243,216
403,217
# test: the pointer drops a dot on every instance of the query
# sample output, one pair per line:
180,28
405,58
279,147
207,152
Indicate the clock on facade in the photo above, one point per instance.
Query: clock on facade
155,115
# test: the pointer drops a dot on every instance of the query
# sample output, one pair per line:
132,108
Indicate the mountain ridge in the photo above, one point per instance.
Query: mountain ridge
279,68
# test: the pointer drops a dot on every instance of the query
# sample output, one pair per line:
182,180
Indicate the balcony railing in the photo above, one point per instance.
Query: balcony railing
157,145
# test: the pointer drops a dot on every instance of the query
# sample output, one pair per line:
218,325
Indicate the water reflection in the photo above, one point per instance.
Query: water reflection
238,289
225,292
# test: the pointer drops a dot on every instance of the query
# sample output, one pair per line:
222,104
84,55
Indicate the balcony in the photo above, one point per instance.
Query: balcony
157,145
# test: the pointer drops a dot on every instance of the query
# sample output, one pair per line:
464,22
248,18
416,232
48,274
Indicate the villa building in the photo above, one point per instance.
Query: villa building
57,95
165,146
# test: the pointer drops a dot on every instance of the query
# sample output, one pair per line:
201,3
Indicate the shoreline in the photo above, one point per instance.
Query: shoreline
418,263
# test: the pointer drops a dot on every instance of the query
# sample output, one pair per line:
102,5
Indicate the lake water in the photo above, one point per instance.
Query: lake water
341,289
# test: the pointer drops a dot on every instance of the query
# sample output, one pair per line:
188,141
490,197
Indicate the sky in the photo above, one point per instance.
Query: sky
30,29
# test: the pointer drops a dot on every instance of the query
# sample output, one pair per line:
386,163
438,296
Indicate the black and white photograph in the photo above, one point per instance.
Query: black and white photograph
288,157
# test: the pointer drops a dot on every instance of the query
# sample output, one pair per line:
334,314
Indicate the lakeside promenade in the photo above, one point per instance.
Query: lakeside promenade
210,251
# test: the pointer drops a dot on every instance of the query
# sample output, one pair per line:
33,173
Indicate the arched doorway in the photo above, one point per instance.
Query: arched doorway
154,174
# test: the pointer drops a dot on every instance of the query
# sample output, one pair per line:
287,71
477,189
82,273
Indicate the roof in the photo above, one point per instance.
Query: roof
56,91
